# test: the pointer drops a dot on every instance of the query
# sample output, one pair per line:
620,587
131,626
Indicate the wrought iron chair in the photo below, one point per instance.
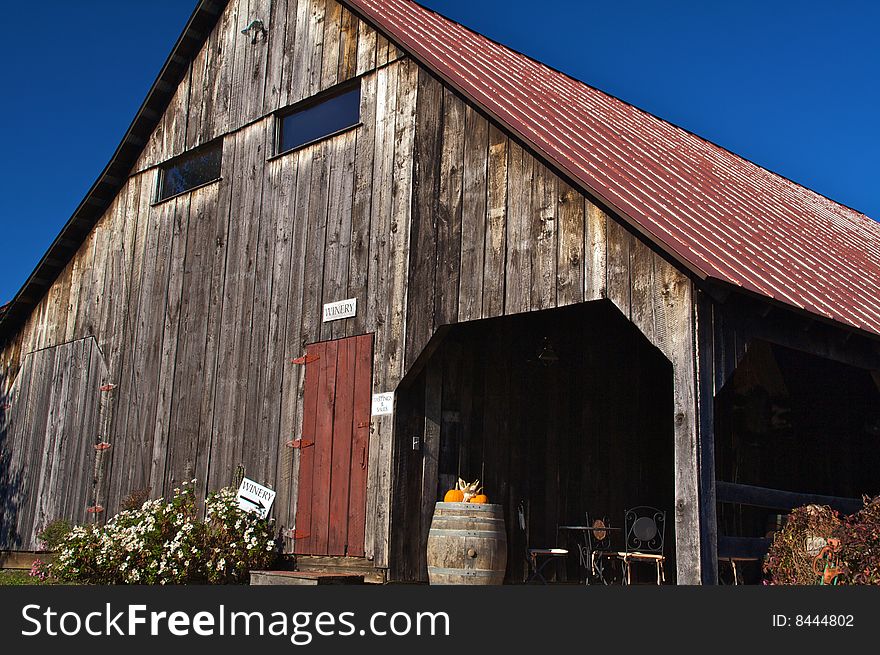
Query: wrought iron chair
644,528
598,549
537,558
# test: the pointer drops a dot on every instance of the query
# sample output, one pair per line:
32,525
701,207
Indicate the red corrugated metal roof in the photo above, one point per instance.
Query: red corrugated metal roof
721,216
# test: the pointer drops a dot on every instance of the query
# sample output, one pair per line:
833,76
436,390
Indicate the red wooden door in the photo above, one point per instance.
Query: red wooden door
331,504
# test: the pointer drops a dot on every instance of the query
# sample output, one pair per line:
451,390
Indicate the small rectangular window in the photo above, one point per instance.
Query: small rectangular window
190,170
316,121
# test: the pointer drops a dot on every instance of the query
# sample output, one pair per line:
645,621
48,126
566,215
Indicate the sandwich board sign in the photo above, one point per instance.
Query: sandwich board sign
254,497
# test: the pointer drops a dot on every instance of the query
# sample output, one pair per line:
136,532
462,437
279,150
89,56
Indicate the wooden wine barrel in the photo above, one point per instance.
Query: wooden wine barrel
467,544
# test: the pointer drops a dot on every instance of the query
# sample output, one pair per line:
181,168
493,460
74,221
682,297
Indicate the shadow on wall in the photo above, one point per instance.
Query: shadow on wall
10,479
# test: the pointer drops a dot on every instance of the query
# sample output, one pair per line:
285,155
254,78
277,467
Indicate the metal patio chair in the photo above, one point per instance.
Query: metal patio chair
538,558
598,550
644,528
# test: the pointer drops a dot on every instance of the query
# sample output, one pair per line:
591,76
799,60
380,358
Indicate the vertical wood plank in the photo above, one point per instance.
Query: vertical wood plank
219,75
642,274
280,190
705,399
426,187
448,216
348,45
360,447
473,215
366,48
341,449
391,350
494,288
430,454
237,312
595,268
542,218
178,216
619,282
303,519
194,371
339,227
675,338
359,256
292,395
331,51
281,23
327,367
316,56
572,238
518,270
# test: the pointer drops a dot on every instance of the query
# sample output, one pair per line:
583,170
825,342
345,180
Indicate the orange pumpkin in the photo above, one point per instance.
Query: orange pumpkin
480,499
453,496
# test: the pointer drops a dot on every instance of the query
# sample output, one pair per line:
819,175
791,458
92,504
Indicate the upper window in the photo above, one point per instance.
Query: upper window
190,170
318,120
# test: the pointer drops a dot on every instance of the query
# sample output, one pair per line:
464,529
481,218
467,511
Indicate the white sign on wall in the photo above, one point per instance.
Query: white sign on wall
334,311
254,497
383,403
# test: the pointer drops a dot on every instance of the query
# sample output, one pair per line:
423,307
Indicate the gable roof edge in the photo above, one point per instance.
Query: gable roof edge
115,174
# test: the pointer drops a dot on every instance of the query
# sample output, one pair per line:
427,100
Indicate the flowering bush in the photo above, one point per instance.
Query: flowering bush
164,542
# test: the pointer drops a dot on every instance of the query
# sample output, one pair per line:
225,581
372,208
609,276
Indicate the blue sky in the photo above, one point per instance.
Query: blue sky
790,85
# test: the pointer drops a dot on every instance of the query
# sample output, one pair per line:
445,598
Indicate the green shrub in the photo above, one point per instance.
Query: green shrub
164,542
54,533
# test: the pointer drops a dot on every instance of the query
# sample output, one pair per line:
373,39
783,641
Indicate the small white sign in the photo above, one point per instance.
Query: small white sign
334,311
383,403
254,497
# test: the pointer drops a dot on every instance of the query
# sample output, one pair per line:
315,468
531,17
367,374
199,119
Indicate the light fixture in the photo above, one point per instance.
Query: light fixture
548,355
258,28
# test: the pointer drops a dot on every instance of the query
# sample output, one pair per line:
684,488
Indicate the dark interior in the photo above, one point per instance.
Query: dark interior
566,411
791,421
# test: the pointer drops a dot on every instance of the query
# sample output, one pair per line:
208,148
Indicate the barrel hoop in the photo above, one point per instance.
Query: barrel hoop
471,573
484,534
457,520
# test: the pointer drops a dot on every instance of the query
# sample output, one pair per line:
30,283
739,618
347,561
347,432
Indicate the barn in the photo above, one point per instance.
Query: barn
355,251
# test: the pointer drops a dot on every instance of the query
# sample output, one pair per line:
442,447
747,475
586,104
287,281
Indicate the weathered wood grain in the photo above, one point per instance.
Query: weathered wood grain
518,269
596,247
618,280
426,186
496,224
361,211
330,52
339,228
542,218
473,215
366,48
448,214
237,312
571,240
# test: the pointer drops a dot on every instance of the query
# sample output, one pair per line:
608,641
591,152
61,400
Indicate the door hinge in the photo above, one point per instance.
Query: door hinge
297,534
305,359
299,443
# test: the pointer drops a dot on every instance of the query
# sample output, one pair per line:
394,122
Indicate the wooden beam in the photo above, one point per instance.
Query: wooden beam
744,494
705,385
742,547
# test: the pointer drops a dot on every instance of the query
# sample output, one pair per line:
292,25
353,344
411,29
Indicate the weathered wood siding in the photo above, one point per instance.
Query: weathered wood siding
496,232
427,213
200,302
48,429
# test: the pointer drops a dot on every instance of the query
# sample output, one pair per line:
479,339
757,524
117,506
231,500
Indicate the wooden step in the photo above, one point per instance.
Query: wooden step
308,578
342,566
